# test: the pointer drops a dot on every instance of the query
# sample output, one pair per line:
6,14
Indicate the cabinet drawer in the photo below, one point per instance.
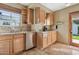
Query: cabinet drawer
5,37
19,36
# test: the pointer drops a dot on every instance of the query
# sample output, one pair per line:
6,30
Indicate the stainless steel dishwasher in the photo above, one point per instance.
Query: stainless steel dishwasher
29,40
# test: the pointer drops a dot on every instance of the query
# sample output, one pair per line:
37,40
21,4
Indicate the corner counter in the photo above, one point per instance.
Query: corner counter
44,39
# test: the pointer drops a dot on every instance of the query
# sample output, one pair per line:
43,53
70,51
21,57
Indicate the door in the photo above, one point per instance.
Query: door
74,28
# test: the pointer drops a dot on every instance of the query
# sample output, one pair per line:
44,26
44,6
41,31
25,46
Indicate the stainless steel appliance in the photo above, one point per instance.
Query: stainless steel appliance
29,40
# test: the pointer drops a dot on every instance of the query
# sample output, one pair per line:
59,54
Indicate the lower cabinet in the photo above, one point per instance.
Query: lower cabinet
11,44
49,39
41,41
18,44
54,36
5,47
46,39
5,44
44,42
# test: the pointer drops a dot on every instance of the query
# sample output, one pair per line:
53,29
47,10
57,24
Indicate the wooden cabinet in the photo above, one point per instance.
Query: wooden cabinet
5,47
5,44
27,16
54,36
11,44
46,39
42,16
18,43
49,39
24,15
34,39
39,15
30,16
41,41
50,18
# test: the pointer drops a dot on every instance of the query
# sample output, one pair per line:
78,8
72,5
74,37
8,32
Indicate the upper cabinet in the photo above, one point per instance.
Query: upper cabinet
30,16
24,15
39,15
49,18
27,16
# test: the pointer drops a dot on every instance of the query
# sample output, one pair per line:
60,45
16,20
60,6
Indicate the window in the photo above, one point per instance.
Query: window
9,18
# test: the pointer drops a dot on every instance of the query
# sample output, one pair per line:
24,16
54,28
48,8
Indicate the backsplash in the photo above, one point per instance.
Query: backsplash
27,27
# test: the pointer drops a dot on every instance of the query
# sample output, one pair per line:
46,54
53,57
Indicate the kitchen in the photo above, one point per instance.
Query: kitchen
24,27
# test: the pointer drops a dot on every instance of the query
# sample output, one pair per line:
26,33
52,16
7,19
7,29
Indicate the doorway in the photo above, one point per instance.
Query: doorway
74,28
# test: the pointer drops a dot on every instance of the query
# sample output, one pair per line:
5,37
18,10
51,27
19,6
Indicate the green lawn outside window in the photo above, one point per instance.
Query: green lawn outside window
75,37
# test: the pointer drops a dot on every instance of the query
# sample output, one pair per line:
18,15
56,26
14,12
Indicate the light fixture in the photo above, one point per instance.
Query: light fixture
68,4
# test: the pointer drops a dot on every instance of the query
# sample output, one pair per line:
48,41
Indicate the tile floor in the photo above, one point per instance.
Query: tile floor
54,49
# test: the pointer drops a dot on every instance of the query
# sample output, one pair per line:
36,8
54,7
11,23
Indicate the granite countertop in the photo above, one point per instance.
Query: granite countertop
21,32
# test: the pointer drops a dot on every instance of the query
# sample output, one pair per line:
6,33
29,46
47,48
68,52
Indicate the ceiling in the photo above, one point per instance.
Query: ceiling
49,6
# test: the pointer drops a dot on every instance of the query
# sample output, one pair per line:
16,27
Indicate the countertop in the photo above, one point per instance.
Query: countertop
22,32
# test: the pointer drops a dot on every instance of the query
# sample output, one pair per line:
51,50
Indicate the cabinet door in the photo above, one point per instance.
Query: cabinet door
30,16
37,15
42,16
49,38
44,42
34,39
39,40
51,18
5,47
24,16
54,36
18,45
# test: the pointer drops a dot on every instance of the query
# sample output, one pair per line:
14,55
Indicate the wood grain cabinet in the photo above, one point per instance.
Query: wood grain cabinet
30,16
50,18
18,43
5,44
24,15
11,44
54,36
46,39
39,15
49,39
41,41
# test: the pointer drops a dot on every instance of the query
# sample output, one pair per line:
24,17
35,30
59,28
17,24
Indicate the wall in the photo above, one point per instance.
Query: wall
63,15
